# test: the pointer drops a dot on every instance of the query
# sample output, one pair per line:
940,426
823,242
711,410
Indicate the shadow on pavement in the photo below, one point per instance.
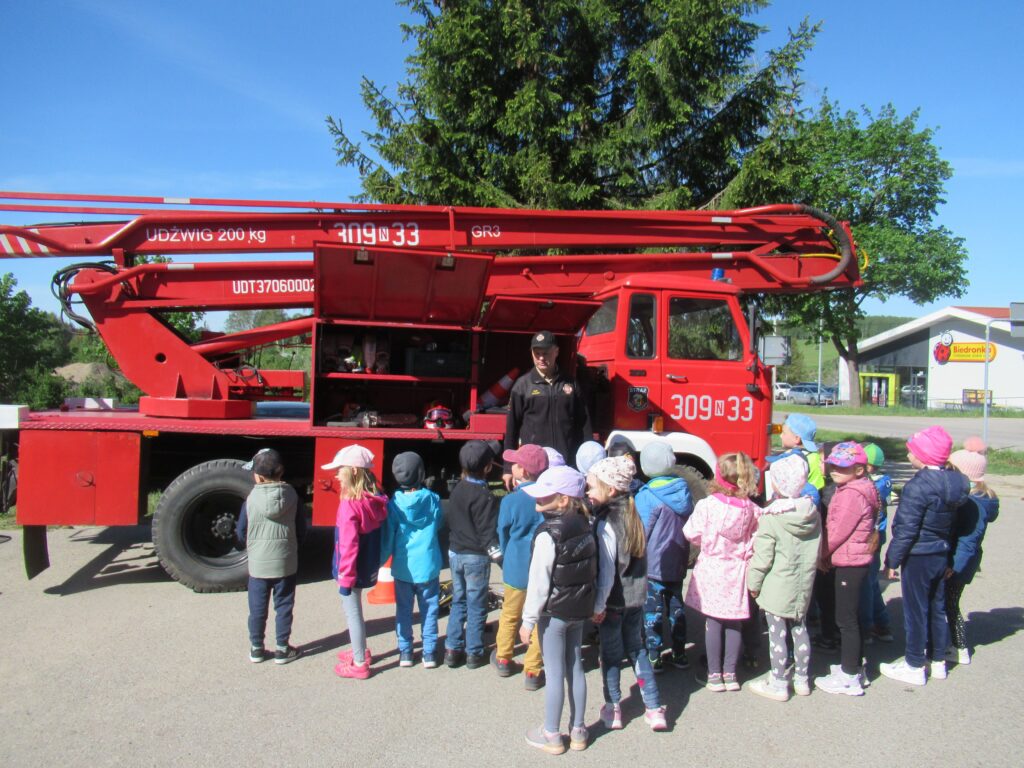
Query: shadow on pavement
127,559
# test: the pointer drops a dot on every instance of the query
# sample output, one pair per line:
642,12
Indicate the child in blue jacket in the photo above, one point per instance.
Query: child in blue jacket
518,519
410,539
664,505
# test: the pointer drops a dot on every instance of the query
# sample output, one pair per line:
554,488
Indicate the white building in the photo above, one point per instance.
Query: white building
939,360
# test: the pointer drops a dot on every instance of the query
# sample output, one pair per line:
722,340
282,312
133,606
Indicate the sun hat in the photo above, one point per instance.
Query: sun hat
932,446
971,463
846,454
616,472
588,455
789,475
875,456
803,426
657,458
408,470
564,480
532,458
351,456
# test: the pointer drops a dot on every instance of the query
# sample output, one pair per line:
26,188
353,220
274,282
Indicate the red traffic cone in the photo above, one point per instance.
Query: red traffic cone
384,592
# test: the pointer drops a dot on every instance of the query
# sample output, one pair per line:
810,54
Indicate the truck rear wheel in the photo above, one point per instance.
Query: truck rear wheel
194,526
695,482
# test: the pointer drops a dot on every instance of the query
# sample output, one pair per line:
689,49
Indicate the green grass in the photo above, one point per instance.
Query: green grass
898,410
1005,462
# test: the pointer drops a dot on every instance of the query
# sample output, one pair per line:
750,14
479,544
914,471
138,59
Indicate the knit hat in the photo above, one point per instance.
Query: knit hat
408,470
555,459
351,456
588,455
476,456
971,463
789,475
846,454
616,472
657,458
932,446
975,444
532,458
564,480
875,456
803,426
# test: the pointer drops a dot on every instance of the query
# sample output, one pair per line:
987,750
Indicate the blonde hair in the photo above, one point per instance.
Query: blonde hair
357,482
979,488
738,469
636,539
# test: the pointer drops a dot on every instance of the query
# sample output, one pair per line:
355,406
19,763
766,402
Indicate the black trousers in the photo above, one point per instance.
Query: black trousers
851,641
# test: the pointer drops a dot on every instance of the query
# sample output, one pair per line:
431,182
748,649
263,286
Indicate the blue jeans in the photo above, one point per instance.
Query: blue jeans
622,637
426,595
259,607
924,607
873,612
470,577
664,603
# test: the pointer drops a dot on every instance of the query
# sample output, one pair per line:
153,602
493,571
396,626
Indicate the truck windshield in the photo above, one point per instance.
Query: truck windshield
702,329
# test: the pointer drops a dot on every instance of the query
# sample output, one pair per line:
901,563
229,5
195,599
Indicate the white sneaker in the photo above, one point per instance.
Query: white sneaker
802,686
956,655
862,672
770,688
938,670
611,716
903,672
840,682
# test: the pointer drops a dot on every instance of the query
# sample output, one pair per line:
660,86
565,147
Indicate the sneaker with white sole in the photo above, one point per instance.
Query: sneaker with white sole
802,686
770,688
938,670
611,716
286,655
257,654
715,682
862,672
956,655
841,683
578,739
730,681
550,742
656,719
903,672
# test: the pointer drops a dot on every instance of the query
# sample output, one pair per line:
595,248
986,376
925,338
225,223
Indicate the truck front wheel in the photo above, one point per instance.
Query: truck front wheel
194,526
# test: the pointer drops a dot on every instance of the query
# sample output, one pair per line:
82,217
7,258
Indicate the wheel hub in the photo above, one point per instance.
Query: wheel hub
224,526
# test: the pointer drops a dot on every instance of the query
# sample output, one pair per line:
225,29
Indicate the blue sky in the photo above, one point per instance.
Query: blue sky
228,99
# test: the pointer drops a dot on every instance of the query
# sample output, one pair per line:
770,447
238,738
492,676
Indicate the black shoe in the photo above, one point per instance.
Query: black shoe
533,682
286,655
257,654
475,661
453,659
679,660
503,666
825,643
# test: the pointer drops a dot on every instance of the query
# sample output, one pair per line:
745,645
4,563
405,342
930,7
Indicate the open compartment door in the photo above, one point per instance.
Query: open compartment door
529,314
390,285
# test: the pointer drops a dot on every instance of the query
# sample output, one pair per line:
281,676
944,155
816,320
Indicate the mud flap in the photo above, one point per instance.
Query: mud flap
36,551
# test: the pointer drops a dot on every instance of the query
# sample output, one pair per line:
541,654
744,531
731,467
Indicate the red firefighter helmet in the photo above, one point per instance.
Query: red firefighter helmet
438,416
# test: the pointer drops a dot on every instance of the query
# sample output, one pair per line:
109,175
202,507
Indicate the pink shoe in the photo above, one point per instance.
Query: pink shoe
355,671
346,656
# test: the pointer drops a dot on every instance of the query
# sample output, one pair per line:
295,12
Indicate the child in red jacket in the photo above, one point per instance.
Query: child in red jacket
851,541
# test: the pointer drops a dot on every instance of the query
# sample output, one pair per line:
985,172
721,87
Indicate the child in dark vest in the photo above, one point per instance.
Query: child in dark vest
559,597
271,528
621,590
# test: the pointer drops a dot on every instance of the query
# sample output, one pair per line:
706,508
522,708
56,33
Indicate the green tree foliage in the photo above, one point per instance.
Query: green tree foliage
32,343
287,354
884,175
569,104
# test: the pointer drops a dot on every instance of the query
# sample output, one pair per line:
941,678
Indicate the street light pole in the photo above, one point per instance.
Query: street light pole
984,390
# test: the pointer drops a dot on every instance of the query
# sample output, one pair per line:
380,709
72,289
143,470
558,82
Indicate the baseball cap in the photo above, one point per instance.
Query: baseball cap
266,462
532,458
564,480
803,426
351,456
847,454
875,456
476,455
543,340
555,459
249,464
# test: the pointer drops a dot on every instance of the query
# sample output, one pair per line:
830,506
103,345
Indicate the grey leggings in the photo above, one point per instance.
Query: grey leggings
353,605
778,632
561,644
713,629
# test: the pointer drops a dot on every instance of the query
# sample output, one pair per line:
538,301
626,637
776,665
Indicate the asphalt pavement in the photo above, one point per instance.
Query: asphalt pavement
1002,432
108,662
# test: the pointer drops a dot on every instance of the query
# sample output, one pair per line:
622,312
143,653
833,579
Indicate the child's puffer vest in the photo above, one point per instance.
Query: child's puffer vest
574,575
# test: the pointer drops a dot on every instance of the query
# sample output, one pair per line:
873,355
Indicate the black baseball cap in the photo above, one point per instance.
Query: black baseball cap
543,340
477,455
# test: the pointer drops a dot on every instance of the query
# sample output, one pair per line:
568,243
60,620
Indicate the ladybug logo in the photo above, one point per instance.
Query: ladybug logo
941,353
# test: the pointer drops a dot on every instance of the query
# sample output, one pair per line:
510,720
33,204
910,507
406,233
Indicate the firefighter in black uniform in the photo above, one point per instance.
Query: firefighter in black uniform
545,406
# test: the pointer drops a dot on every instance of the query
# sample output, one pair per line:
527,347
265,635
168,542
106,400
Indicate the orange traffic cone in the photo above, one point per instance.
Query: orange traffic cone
384,592
498,392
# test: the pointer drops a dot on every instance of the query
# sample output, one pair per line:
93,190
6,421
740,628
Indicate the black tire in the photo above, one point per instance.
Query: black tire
695,482
194,527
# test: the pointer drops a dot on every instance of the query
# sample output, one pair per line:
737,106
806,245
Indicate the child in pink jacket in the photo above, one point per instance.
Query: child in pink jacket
851,541
357,535
723,526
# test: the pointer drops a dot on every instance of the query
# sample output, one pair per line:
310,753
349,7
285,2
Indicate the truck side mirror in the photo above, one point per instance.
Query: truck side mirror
774,350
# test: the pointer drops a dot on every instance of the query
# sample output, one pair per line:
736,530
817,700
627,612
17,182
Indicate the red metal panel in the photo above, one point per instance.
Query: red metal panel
78,478
325,484
512,313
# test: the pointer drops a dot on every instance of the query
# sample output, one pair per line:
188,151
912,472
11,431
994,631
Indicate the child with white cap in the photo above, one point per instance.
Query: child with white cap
362,510
559,597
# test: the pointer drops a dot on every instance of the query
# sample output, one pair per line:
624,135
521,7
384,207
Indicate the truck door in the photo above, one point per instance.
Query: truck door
703,373
637,387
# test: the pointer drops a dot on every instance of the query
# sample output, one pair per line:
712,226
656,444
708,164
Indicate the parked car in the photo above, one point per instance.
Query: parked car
811,394
782,389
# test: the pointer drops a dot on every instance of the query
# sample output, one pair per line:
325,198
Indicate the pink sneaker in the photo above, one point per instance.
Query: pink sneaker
355,671
656,719
346,656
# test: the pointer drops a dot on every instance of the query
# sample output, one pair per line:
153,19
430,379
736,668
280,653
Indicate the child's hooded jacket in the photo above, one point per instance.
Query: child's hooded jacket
410,536
357,537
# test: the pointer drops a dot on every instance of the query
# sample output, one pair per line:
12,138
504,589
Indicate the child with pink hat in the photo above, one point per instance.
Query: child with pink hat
972,518
920,548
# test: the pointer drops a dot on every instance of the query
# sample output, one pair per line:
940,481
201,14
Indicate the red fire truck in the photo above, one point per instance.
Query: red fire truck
409,307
